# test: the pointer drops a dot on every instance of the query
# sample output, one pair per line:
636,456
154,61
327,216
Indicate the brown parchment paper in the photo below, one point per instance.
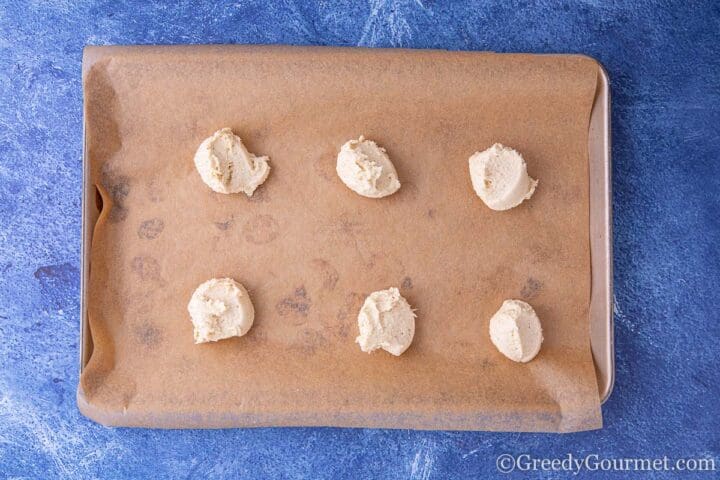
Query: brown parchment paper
309,250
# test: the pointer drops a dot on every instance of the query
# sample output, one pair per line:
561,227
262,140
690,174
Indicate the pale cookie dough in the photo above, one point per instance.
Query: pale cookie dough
226,166
386,321
220,308
516,332
366,169
499,177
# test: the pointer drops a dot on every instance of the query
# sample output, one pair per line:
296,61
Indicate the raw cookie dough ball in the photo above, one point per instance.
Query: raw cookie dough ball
226,166
516,332
366,169
386,321
220,308
499,177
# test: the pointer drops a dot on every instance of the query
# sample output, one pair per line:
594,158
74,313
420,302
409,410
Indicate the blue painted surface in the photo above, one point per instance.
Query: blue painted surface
664,62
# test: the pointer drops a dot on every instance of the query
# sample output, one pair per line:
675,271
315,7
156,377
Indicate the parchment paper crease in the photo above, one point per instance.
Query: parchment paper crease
309,250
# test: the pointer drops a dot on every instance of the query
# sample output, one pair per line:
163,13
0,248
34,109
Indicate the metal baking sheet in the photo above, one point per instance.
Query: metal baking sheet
601,294
601,315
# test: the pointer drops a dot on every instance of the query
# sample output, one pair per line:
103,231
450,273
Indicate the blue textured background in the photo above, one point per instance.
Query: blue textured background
664,62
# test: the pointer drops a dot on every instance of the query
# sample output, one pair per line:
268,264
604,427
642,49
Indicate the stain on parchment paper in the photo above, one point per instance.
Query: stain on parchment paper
387,265
324,164
257,335
118,187
407,283
295,306
531,288
447,132
309,341
496,281
260,195
345,230
261,229
147,268
150,229
372,260
224,226
409,189
346,318
431,213
487,363
148,334
154,191
255,135
542,253
342,226
141,303
566,193
328,273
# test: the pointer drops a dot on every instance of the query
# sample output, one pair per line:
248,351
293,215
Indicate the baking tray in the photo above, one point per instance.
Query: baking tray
601,290
601,318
